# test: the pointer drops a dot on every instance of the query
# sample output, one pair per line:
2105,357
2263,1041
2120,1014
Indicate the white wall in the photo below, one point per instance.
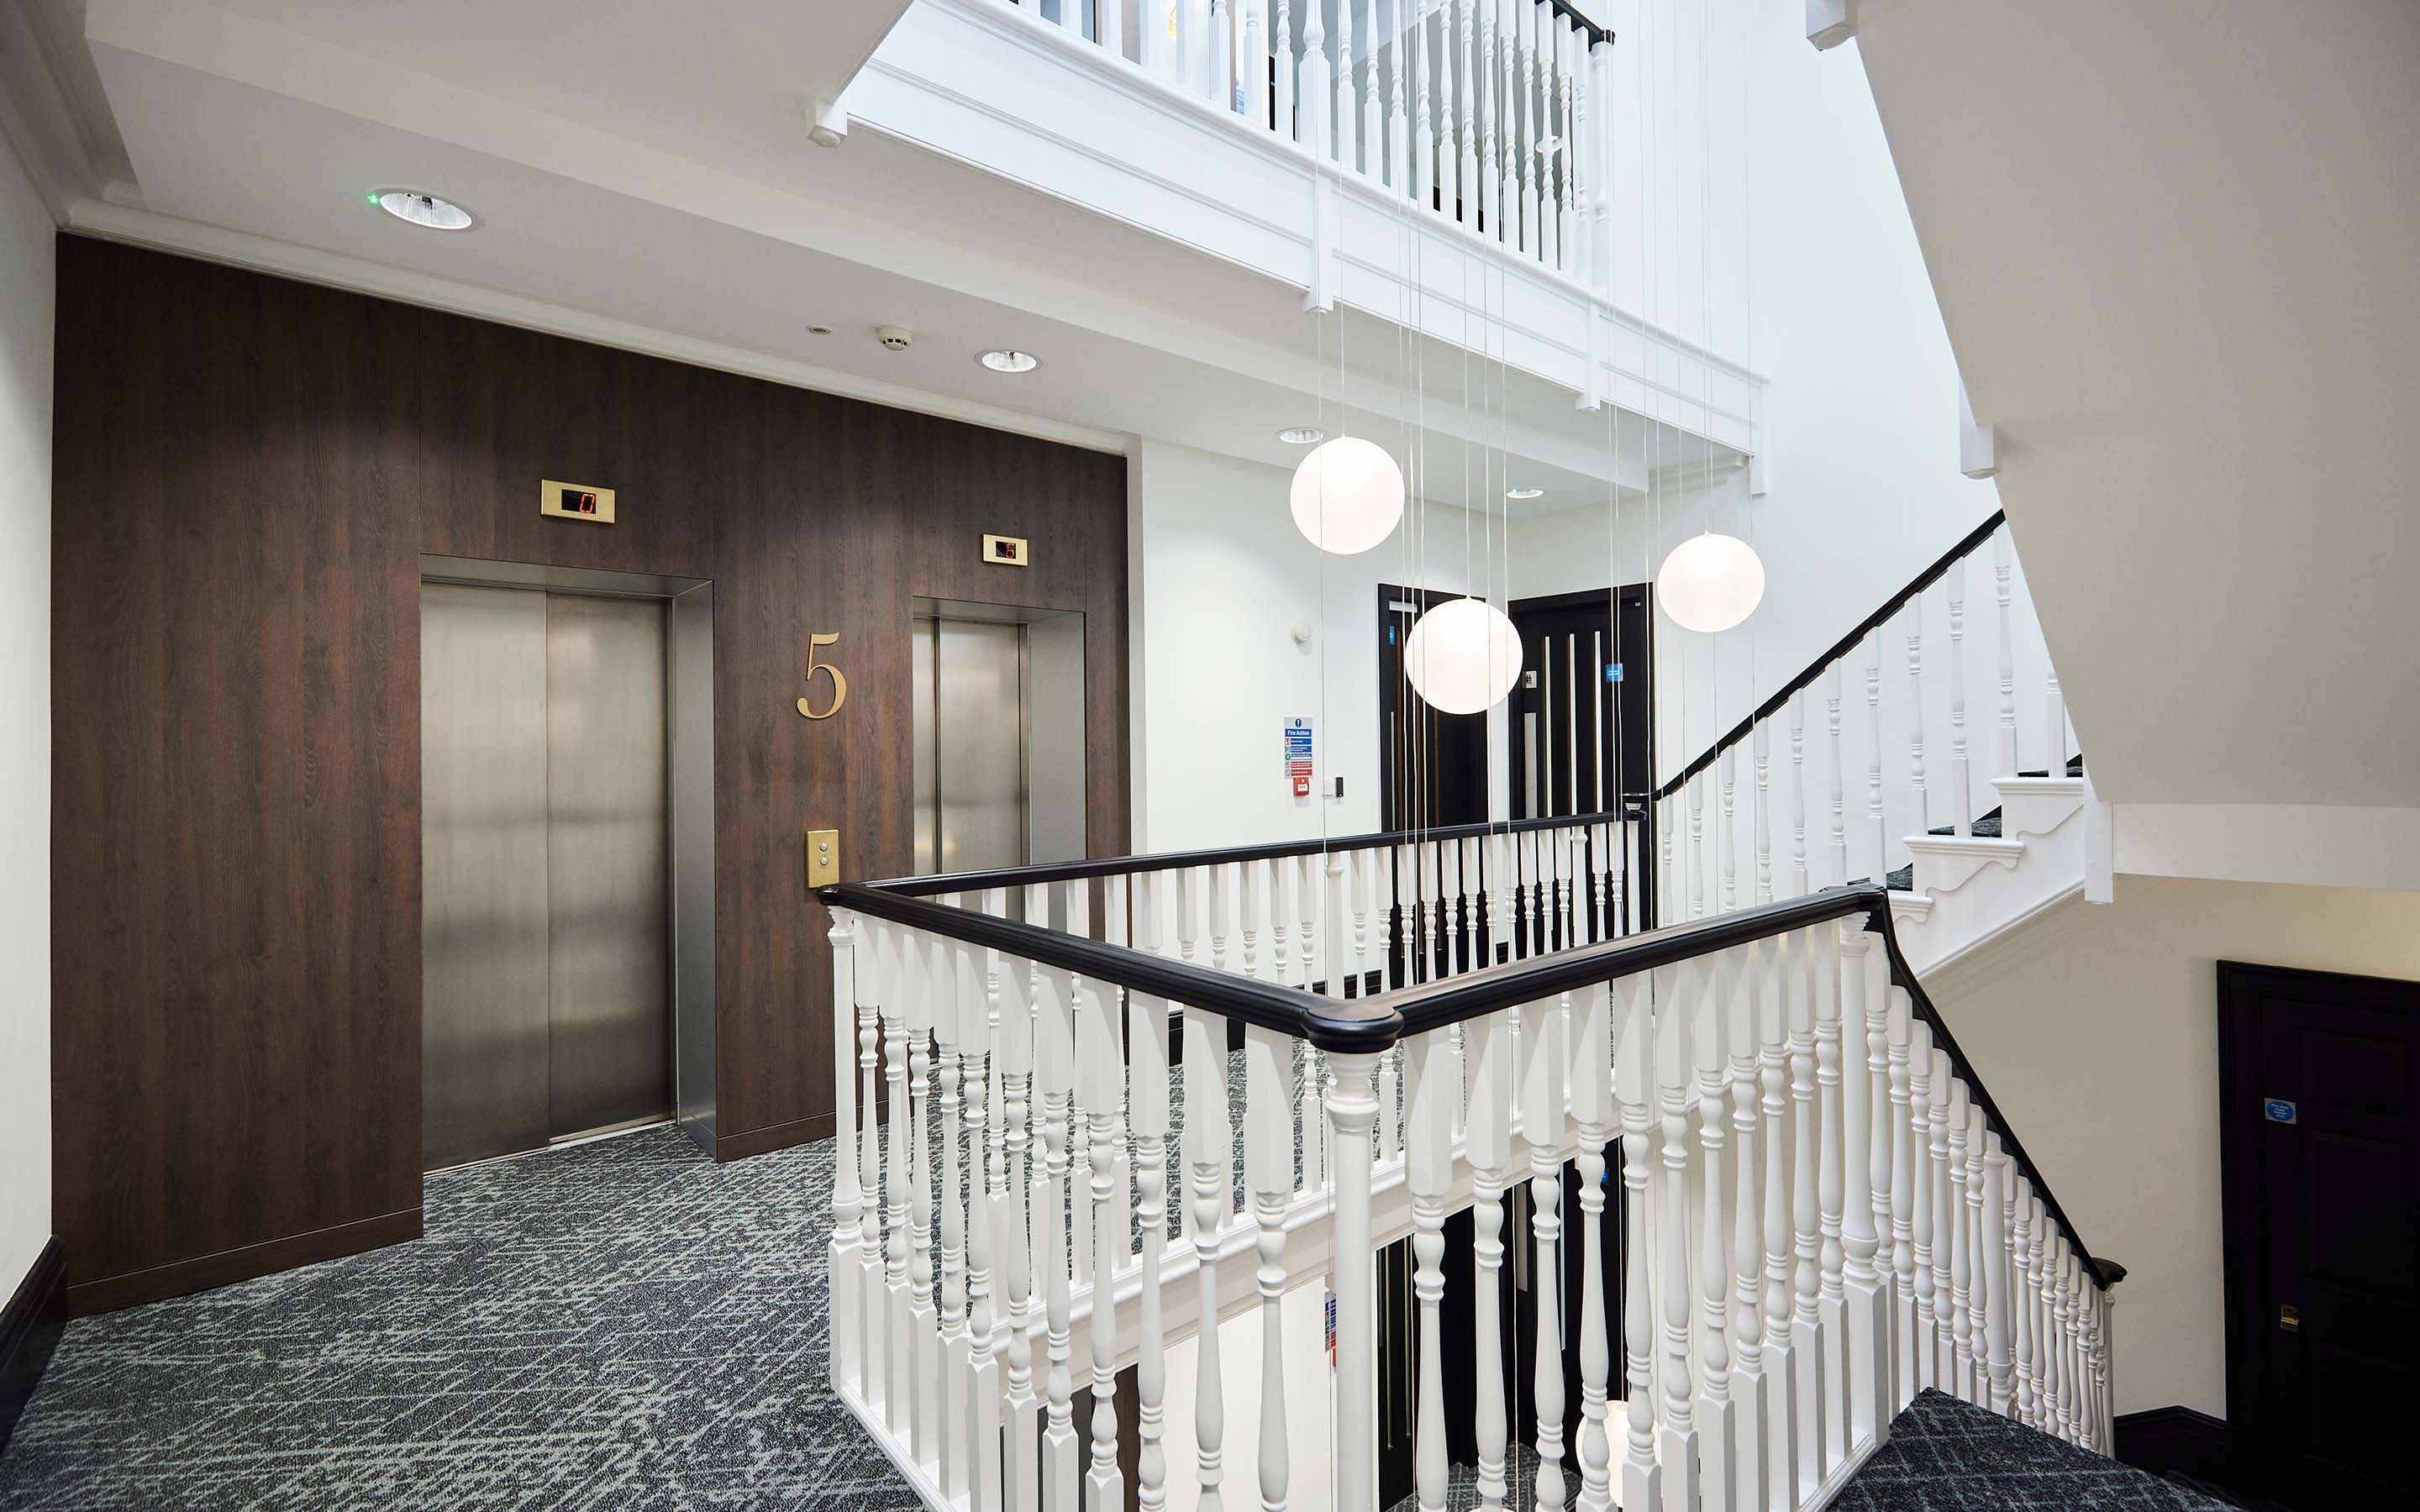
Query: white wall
2097,1030
25,325
1221,577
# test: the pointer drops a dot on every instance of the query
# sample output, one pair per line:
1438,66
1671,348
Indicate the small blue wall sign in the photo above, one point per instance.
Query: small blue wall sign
1613,671
2280,1111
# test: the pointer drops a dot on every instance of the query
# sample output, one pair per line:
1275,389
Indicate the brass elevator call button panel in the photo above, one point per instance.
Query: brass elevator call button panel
823,858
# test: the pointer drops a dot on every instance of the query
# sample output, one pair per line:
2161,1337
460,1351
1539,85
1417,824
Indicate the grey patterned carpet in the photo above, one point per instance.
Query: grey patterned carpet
621,1325
1949,1455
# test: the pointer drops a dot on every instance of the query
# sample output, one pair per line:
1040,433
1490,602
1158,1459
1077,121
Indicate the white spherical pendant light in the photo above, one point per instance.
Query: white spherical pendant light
1710,582
1347,494
1463,656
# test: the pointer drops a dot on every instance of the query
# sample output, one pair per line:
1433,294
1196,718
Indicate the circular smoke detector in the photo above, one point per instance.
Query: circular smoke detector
422,210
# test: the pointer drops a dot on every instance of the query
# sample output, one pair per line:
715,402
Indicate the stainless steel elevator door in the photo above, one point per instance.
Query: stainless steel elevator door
970,678
545,1000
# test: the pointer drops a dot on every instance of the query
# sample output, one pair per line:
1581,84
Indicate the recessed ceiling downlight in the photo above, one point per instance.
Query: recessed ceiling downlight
1008,359
422,210
1302,435
1525,493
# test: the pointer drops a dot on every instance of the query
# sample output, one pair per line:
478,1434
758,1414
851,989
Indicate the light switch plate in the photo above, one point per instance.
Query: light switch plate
823,858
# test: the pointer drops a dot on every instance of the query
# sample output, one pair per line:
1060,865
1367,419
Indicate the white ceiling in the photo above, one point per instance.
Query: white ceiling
649,164
2176,244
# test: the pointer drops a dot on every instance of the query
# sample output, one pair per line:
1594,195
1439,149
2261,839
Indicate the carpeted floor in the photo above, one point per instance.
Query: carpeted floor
1949,1455
615,1325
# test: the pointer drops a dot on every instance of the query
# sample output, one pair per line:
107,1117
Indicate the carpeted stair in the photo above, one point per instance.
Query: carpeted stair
1951,1456
1988,827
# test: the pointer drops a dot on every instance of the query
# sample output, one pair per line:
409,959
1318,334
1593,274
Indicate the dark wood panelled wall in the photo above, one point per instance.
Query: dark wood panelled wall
247,472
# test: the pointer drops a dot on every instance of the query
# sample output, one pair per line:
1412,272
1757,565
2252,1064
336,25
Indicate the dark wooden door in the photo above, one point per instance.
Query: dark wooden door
1580,718
1433,765
2320,1125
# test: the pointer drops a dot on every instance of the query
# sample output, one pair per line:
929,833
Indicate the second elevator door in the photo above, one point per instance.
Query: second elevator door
971,798
546,991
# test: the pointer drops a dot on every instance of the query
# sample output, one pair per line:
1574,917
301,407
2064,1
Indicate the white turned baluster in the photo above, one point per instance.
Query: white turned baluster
1759,740
1251,69
1288,125
1914,631
1374,141
1109,28
1543,1064
1224,90
1515,143
1525,34
1594,1114
1389,1084
1752,1485
1409,171
1680,993
1979,1357
1810,957
1907,1379
1359,872
1308,901
924,1415
1718,1428
1466,901
1962,793
1055,1061
1666,900
1353,1111
1430,1090
1208,1139
1019,1470
1268,1170
1874,753
1559,865
1642,1478
1779,982
1100,1072
1602,878
1283,881
1425,855
1035,911
979,1385
1959,1222
899,1381
1222,913
1071,15
1831,982
1999,1313
1488,1050
1868,1409
1724,841
2021,1312
1490,192
2005,762
1798,879
1076,901
847,1368
1840,815
1573,51
1697,853
1461,63
1920,1222
875,987
1348,89
1252,906
1934,1215
1566,160
2062,1336
1948,1211
1147,1073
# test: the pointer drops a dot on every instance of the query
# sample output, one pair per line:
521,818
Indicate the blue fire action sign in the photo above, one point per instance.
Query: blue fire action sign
1297,756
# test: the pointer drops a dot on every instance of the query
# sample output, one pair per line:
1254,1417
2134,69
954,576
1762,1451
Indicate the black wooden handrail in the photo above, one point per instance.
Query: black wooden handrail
1847,643
1120,866
1366,1025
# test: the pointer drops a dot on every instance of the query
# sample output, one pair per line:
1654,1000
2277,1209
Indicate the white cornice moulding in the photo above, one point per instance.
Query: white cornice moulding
168,233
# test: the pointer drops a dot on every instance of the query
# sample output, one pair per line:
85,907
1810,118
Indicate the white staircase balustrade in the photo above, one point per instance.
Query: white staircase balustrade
1959,877
1814,1208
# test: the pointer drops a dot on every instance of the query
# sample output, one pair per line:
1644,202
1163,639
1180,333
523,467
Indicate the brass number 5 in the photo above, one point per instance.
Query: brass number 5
840,684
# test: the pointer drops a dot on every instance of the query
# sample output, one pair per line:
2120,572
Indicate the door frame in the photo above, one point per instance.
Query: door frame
2242,1246
1389,692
